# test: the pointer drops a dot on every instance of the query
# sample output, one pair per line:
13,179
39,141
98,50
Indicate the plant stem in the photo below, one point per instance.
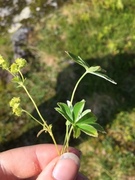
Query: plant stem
69,131
54,141
74,90
45,126
21,76
67,138
32,117
34,105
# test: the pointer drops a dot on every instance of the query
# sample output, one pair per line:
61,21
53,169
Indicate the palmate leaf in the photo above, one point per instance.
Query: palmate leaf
95,70
69,112
80,120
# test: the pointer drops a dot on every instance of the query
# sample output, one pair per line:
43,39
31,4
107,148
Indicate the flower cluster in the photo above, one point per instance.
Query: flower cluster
3,63
17,65
15,105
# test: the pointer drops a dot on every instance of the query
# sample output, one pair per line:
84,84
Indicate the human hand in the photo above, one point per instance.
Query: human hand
40,162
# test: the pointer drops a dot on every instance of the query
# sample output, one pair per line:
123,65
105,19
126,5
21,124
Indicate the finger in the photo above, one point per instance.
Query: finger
64,167
28,161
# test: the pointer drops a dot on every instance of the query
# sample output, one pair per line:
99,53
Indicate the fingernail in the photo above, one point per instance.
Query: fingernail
66,167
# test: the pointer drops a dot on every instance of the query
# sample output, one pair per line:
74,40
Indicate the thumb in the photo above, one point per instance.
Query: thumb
64,167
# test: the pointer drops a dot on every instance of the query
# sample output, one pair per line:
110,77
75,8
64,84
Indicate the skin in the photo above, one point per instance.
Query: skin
35,163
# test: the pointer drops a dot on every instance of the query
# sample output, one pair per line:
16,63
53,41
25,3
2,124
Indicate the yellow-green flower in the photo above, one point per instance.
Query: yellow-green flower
14,68
1,60
15,105
20,62
17,111
14,100
3,63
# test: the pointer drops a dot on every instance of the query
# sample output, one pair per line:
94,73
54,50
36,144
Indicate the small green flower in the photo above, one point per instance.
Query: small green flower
1,60
13,101
17,65
17,111
20,62
3,63
14,68
15,105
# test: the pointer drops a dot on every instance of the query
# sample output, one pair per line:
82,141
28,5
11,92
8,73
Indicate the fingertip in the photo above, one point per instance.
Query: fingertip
66,167
75,151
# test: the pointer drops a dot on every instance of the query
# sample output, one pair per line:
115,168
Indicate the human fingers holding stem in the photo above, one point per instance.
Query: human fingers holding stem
40,162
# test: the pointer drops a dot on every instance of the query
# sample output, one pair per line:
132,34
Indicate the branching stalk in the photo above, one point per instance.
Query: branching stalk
34,105
21,76
32,117
46,127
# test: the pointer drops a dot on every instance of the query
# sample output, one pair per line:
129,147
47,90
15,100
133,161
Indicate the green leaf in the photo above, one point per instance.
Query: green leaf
85,112
76,132
98,127
63,114
104,76
88,118
77,110
78,60
65,111
95,70
88,129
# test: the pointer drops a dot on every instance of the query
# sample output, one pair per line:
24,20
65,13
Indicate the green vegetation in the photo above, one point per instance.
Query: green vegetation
90,28
103,33
77,120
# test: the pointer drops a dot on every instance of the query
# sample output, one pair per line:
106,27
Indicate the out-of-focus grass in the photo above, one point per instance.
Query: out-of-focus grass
111,156
90,29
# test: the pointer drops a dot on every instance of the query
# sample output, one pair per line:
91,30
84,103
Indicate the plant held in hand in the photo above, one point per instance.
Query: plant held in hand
77,119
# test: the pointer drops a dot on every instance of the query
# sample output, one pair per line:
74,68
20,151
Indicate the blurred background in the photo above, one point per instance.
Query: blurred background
102,33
